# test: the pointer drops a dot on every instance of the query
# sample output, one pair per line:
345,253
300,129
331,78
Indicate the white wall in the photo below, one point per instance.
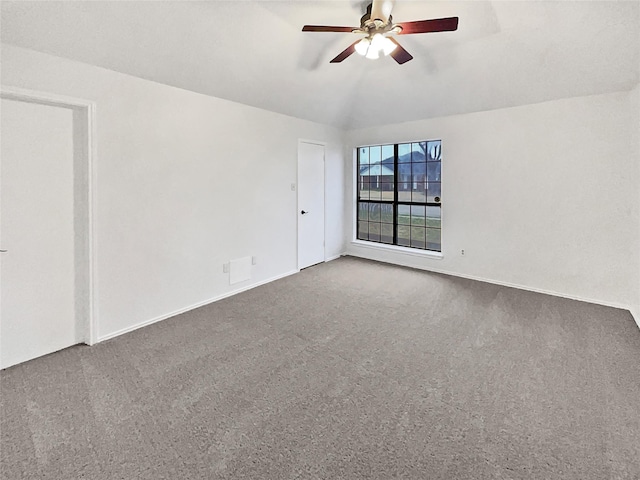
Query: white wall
185,182
634,100
542,196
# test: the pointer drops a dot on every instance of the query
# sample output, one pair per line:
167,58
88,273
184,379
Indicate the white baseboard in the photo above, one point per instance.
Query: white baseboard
635,311
512,285
192,307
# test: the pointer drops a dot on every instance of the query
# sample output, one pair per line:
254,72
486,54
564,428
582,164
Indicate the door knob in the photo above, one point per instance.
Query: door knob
303,212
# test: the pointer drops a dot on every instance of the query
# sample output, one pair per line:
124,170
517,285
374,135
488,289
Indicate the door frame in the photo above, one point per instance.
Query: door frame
324,198
84,134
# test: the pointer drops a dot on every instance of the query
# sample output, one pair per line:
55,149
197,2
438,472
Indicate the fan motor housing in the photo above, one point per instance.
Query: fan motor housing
367,24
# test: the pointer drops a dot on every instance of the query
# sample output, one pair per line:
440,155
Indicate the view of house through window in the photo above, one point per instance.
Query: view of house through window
399,194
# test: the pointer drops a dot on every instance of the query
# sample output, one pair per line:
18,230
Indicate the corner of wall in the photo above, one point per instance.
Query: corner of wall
635,313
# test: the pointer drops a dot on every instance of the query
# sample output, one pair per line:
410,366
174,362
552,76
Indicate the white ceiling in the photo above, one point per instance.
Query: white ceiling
505,53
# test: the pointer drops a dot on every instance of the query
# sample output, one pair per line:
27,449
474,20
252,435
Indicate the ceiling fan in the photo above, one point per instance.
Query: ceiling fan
378,27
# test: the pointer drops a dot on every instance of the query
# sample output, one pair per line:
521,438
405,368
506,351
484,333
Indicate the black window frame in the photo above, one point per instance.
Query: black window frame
396,202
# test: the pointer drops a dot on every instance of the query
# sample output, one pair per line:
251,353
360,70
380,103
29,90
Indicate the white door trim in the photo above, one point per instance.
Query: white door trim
324,166
87,114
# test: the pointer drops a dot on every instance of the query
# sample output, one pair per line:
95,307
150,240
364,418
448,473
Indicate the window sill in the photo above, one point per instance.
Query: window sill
396,249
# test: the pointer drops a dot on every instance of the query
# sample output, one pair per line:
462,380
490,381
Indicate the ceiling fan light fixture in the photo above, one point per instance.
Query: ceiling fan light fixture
375,46
373,53
362,46
388,46
377,42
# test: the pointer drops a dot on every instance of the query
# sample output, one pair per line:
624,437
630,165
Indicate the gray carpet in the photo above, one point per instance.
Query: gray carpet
348,370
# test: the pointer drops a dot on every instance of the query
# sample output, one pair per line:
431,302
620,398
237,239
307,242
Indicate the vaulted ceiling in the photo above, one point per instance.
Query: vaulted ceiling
505,53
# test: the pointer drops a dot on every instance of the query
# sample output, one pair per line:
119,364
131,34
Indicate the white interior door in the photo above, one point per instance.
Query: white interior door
37,287
310,204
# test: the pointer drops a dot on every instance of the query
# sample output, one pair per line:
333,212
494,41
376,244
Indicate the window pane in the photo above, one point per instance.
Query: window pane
418,237
433,217
418,152
419,172
387,155
386,213
374,232
364,156
433,239
433,191
363,211
417,215
404,153
364,189
371,176
363,230
434,150
404,214
433,171
387,191
386,233
419,192
374,212
404,176
404,235
404,196
374,193
375,154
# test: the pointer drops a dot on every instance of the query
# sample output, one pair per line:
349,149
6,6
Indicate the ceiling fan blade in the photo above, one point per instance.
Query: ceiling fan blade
399,54
347,52
381,10
327,28
425,26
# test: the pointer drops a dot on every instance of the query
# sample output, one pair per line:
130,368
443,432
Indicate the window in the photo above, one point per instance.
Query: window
399,194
